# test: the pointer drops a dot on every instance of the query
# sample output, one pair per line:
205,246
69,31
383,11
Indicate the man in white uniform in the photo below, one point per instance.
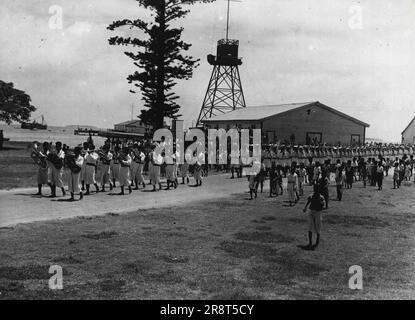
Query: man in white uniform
104,167
137,166
75,175
124,177
43,170
56,163
91,159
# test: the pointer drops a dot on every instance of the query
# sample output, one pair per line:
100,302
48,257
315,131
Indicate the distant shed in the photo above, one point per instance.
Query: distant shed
132,126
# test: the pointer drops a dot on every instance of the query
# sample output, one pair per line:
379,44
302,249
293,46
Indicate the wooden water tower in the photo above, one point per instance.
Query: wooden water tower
224,92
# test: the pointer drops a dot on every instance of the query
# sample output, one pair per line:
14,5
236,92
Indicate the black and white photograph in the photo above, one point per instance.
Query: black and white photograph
219,151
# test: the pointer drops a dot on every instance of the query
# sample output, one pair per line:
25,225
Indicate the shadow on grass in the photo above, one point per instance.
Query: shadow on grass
31,195
147,272
283,268
264,237
352,221
246,250
100,235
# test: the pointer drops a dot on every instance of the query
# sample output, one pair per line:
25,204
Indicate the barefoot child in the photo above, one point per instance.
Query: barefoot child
315,204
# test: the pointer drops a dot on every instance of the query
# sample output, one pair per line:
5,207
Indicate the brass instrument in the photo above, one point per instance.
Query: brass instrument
70,161
103,156
55,160
38,157
122,156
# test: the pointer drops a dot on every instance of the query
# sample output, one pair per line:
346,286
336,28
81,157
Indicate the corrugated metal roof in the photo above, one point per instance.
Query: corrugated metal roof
257,112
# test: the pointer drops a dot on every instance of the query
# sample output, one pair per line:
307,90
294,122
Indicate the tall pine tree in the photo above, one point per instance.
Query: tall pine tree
160,57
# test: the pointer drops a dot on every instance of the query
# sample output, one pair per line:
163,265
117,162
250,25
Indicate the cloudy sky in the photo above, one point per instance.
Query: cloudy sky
292,50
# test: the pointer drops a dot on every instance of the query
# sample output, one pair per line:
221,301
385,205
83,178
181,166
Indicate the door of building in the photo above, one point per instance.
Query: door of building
355,139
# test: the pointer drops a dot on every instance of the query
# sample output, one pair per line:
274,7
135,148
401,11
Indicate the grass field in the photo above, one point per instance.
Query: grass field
226,249
17,169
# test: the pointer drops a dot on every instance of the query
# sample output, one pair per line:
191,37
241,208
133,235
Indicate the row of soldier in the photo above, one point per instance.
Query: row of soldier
319,153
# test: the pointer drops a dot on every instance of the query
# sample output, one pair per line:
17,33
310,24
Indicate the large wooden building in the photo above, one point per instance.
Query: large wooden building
299,123
408,135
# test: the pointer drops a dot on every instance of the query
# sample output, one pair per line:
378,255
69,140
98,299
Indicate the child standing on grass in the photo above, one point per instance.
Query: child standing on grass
339,178
301,178
272,180
323,185
407,171
396,182
363,173
315,204
292,186
279,180
261,177
197,173
252,186
380,173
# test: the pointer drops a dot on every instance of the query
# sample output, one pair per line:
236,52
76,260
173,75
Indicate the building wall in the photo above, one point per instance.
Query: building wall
333,128
119,127
409,135
314,119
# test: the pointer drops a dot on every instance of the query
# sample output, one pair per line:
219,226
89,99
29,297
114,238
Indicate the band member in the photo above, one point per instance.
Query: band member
56,162
197,173
184,172
75,164
115,166
176,169
39,156
105,157
83,170
91,159
170,176
124,177
155,165
137,166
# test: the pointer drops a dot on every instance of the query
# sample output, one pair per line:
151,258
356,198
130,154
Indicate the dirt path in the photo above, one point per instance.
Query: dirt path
20,206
